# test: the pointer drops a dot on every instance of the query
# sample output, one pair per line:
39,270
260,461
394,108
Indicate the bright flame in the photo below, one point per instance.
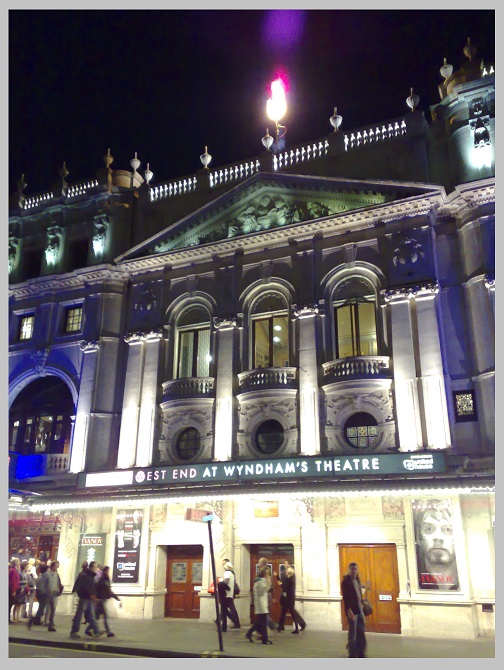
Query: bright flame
277,105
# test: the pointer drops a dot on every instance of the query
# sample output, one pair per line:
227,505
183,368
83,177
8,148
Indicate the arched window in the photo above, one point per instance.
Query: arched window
355,319
270,332
193,350
40,418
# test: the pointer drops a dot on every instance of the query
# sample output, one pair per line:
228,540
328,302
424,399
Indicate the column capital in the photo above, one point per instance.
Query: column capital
89,346
226,322
402,293
303,310
490,281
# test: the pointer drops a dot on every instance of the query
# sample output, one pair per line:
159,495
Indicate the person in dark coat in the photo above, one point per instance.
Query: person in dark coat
42,594
351,590
287,600
85,587
14,579
103,593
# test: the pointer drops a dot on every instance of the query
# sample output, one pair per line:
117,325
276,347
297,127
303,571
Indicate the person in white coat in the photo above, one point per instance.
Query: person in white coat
261,586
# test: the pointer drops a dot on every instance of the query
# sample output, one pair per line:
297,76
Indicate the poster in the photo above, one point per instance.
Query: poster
435,548
128,537
91,548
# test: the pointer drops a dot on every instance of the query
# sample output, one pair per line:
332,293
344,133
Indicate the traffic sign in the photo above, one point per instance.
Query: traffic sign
208,517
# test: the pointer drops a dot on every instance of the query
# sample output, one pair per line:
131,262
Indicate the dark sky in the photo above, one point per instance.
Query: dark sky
167,83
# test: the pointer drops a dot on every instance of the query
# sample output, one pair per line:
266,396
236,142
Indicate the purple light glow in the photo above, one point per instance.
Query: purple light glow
283,28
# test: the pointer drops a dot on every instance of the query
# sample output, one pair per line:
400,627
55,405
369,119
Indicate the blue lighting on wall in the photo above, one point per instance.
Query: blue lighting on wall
29,466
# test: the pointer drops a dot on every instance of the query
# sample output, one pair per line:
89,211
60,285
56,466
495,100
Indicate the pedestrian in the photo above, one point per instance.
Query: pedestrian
261,609
287,600
42,594
104,593
55,589
263,564
22,592
14,580
229,609
85,587
32,579
351,590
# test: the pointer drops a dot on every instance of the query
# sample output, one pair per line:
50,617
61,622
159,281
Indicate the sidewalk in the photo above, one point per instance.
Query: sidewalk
193,638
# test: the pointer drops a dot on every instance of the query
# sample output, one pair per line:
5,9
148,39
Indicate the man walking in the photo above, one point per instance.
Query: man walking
55,589
228,608
85,587
104,593
351,590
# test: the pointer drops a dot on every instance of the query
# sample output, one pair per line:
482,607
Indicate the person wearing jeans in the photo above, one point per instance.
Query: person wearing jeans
351,590
85,587
104,593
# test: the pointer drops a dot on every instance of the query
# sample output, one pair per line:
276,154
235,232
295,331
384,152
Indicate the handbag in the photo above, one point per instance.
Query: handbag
211,588
366,607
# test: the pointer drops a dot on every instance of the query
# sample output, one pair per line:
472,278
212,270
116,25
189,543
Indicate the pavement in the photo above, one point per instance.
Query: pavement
192,638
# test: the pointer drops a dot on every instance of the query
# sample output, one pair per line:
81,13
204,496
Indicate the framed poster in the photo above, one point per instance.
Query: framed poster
128,537
91,548
435,547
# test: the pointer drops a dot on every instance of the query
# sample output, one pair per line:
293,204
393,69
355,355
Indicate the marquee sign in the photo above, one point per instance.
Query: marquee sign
309,467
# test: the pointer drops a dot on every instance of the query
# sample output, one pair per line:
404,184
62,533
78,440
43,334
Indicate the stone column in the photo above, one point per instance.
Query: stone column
84,404
309,419
405,375
131,401
147,415
224,415
431,375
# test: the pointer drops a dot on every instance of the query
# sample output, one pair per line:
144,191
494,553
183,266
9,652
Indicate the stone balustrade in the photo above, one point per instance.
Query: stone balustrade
235,172
189,387
266,378
356,367
40,465
363,136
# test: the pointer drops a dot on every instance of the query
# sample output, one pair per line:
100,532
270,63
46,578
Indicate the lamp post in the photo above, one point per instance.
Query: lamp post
276,107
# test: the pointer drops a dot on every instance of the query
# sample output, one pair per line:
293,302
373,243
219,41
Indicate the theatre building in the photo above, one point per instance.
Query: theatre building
300,344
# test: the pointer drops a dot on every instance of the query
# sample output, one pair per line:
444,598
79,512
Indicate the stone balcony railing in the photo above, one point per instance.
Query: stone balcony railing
268,378
356,367
40,465
189,387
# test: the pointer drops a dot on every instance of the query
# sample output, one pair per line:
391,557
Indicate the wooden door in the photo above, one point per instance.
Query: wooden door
276,554
378,573
183,581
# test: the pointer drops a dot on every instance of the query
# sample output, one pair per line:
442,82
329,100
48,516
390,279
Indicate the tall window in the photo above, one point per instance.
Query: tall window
73,322
355,319
194,344
26,327
270,332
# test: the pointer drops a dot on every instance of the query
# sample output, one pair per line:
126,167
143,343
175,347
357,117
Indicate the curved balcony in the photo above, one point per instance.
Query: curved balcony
357,367
26,466
268,378
189,387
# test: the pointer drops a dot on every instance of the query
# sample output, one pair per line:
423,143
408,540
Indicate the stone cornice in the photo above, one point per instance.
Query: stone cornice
273,238
90,346
33,288
408,292
137,337
468,197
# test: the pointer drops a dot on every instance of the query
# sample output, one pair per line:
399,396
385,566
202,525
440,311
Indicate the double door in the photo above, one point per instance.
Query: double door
183,581
276,555
378,573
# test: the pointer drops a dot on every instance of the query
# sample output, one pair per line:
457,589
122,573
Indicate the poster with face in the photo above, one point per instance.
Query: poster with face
435,548
127,545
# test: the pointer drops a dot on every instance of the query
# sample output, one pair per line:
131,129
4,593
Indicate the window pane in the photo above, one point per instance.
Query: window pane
74,319
43,434
203,360
261,353
367,329
280,341
26,329
186,345
346,331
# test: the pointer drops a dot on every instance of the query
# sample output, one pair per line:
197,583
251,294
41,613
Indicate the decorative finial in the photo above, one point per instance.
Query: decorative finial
205,158
336,120
412,101
446,70
267,140
469,49
108,159
63,172
148,174
135,163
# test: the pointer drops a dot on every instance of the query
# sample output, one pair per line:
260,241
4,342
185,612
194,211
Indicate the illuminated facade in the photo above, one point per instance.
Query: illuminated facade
301,344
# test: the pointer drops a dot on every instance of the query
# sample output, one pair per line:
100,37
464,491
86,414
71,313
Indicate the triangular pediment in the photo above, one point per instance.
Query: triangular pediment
270,201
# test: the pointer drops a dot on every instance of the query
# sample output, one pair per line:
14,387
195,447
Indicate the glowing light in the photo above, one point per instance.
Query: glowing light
276,106
482,157
278,328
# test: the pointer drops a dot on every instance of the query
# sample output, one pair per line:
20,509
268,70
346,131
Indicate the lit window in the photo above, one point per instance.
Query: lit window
73,319
465,406
271,342
194,353
26,327
361,430
188,444
356,329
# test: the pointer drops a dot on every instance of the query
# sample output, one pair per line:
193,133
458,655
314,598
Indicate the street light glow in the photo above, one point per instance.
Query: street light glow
276,106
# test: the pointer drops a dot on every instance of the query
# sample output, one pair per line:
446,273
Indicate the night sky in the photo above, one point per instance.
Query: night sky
167,83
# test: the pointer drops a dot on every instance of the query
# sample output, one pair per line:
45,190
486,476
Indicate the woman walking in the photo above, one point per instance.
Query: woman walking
287,600
260,591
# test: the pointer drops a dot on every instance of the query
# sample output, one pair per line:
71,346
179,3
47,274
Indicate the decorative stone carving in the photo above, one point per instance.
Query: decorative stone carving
307,309
146,301
392,507
100,231
382,401
39,359
158,515
89,346
225,323
52,249
481,131
430,288
309,503
337,509
408,251
13,253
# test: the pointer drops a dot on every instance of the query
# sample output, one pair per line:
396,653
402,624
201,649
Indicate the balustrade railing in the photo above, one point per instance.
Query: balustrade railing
385,131
189,387
40,465
81,188
300,154
356,367
173,188
267,378
233,172
36,200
